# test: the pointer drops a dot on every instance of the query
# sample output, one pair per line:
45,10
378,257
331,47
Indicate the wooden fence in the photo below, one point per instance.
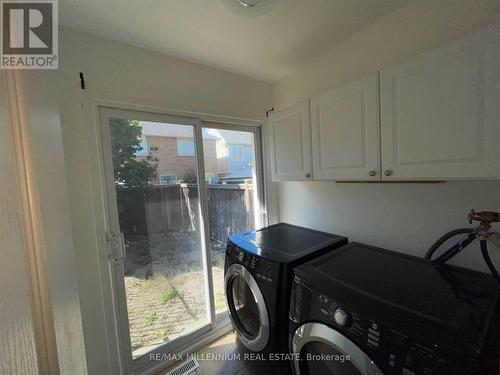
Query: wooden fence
175,207
230,210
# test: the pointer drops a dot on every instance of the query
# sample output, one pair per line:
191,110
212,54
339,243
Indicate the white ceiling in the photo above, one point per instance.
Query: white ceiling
266,47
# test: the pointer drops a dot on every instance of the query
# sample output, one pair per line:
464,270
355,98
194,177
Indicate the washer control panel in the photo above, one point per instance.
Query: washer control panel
394,352
342,317
260,268
398,353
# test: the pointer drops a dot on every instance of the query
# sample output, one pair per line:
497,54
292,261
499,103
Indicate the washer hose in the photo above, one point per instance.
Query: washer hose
456,232
487,260
445,237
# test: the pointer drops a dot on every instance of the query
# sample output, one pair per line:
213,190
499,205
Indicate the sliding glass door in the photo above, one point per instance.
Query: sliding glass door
176,188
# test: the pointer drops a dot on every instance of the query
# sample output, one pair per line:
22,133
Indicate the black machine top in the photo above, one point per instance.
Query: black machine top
285,242
446,296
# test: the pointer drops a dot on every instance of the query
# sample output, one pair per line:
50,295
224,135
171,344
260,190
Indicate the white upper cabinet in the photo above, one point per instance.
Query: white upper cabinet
290,143
345,132
435,117
440,112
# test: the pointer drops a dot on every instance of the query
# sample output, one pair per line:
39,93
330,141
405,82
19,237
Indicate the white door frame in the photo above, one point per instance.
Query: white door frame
114,267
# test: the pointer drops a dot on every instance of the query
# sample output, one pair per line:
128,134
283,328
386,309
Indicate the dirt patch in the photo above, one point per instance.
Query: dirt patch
165,287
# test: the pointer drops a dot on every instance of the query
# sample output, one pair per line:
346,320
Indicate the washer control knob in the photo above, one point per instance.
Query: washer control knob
342,317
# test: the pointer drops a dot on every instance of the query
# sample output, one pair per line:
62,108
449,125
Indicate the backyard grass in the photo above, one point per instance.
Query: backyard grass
151,318
165,287
168,294
161,333
161,307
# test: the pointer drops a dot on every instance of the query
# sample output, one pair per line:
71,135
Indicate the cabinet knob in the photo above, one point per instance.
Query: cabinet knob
387,172
308,175
372,173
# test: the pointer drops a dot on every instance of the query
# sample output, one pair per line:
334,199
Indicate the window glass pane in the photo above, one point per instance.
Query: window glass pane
235,152
240,157
185,147
168,179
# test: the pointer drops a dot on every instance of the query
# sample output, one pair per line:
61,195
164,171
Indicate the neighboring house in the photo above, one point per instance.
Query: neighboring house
235,155
228,154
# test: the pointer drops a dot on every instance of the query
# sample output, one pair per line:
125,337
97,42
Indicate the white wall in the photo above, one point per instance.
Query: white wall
415,28
404,217
118,72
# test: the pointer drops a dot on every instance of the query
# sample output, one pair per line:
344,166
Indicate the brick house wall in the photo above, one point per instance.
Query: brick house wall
165,149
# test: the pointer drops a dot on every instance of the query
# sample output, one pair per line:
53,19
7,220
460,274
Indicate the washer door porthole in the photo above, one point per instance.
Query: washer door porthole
247,307
311,340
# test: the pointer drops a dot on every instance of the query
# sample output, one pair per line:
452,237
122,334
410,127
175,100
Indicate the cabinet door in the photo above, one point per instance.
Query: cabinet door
440,112
345,132
291,143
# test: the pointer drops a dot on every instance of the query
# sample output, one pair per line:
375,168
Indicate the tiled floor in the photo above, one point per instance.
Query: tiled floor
227,348
224,346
